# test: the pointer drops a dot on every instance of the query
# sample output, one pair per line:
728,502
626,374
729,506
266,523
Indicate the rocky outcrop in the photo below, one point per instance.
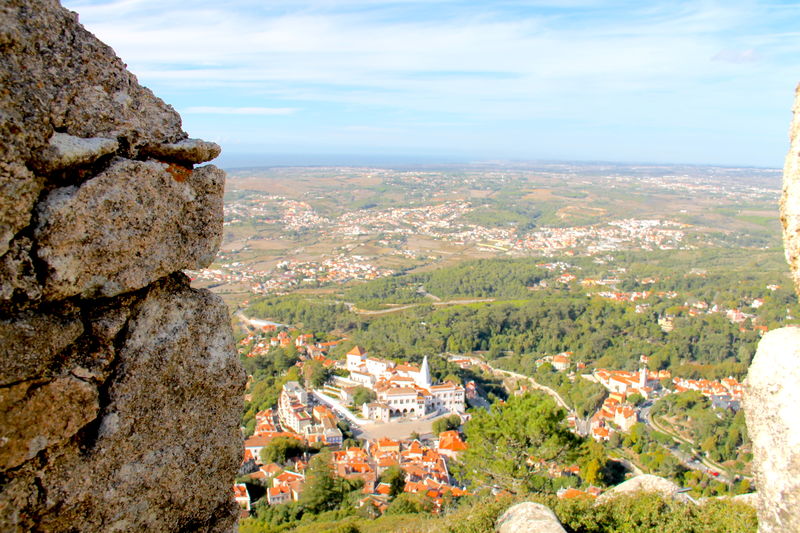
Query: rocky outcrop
526,517
772,387
771,401
644,483
111,365
790,199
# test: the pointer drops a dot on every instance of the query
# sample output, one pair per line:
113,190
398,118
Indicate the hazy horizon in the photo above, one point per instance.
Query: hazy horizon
682,82
238,161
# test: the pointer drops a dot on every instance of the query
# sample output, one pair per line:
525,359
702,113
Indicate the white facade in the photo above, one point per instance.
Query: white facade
447,396
404,389
292,412
375,411
403,401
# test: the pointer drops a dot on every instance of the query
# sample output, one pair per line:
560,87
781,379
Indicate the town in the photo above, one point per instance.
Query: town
313,417
467,265
330,415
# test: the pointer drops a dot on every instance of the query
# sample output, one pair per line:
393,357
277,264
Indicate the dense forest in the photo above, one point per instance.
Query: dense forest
530,314
502,442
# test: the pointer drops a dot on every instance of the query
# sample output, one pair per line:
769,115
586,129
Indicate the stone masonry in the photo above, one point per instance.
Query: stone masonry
772,393
111,365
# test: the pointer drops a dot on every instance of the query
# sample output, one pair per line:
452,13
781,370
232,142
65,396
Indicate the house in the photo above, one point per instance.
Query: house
447,396
278,495
403,400
292,411
601,433
375,411
571,493
624,417
253,445
450,444
241,496
379,502
387,445
561,361
404,388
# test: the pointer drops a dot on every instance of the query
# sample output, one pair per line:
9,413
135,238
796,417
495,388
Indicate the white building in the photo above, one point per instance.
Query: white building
376,411
404,389
447,396
292,408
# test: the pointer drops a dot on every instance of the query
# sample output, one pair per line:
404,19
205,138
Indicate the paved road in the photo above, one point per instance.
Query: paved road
703,465
627,464
399,429
421,290
376,312
337,406
536,385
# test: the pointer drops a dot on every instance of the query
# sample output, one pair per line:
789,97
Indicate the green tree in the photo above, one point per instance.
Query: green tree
280,449
445,424
363,395
320,492
636,398
315,374
507,443
452,377
591,472
408,503
396,478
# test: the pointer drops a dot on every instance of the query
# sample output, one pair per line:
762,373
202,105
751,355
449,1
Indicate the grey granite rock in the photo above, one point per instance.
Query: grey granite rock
120,389
771,403
132,224
529,517
65,151
30,342
19,190
188,151
790,200
644,483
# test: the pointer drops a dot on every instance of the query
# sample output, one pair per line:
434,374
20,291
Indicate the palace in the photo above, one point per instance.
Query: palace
402,389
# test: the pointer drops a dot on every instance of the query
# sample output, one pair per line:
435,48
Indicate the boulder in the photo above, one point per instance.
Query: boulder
129,226
771,400
529,517
644,483
120,388
790,199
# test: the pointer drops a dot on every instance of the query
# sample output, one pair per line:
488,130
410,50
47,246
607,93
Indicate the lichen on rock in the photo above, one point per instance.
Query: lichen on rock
134,224
772,387
111,366
527,517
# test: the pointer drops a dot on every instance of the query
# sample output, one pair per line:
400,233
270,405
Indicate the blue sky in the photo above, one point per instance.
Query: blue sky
671,82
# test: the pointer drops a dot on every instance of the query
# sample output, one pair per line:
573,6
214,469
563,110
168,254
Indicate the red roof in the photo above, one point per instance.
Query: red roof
357,350
575,493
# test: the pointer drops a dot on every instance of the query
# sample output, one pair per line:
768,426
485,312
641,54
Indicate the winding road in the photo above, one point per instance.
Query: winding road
704,464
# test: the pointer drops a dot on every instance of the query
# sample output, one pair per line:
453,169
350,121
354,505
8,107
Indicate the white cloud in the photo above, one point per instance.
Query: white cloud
389,64
214,44
211,110
737,56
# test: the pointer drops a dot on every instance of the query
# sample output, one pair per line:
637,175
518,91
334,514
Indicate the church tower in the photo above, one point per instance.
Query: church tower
424,374
643,371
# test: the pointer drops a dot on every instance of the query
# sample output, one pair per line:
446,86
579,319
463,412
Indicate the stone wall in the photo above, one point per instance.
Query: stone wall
111,366
772,395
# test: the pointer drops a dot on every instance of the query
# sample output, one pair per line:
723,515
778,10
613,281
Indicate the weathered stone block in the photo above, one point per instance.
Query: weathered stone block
790,200
188,151
65,151
19,190
527,517
38,415
771,401
165,447
31,341
134,223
